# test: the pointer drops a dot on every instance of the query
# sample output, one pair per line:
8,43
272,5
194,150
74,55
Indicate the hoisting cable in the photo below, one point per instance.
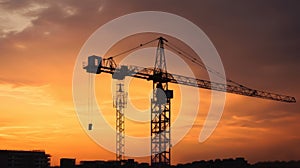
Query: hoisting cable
132,49
89,112
196,61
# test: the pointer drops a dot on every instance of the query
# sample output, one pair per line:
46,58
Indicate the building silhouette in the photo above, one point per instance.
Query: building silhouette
67,163
39,159
217,163
24,159
130,163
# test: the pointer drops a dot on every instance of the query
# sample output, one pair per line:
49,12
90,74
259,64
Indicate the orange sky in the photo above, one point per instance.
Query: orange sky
39,43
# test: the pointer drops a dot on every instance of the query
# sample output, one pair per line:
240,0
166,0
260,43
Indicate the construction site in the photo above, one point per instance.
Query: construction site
162,95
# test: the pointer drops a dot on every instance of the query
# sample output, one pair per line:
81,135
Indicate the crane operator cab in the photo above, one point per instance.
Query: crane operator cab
94,64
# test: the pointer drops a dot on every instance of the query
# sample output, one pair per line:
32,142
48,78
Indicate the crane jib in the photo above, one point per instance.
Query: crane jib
97,65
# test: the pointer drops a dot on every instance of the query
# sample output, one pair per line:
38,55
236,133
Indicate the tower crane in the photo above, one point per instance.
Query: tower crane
161,105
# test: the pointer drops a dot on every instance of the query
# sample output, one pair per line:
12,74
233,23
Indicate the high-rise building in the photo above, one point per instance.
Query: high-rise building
24,159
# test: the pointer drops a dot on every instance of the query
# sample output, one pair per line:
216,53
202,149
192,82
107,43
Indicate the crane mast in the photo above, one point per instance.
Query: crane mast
160,111
161,99
120,102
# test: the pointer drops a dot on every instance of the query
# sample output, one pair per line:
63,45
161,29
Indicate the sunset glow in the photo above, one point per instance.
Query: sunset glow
258,43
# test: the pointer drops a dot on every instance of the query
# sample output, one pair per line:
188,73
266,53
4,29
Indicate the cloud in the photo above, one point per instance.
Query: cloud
17,20
101,6
34,132
69,11
14,81
36,95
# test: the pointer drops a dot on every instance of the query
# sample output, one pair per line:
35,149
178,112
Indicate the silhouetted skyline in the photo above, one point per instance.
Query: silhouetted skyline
40,159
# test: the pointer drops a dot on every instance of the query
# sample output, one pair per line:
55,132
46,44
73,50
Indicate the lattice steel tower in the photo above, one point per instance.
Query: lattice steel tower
120,102
160,111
